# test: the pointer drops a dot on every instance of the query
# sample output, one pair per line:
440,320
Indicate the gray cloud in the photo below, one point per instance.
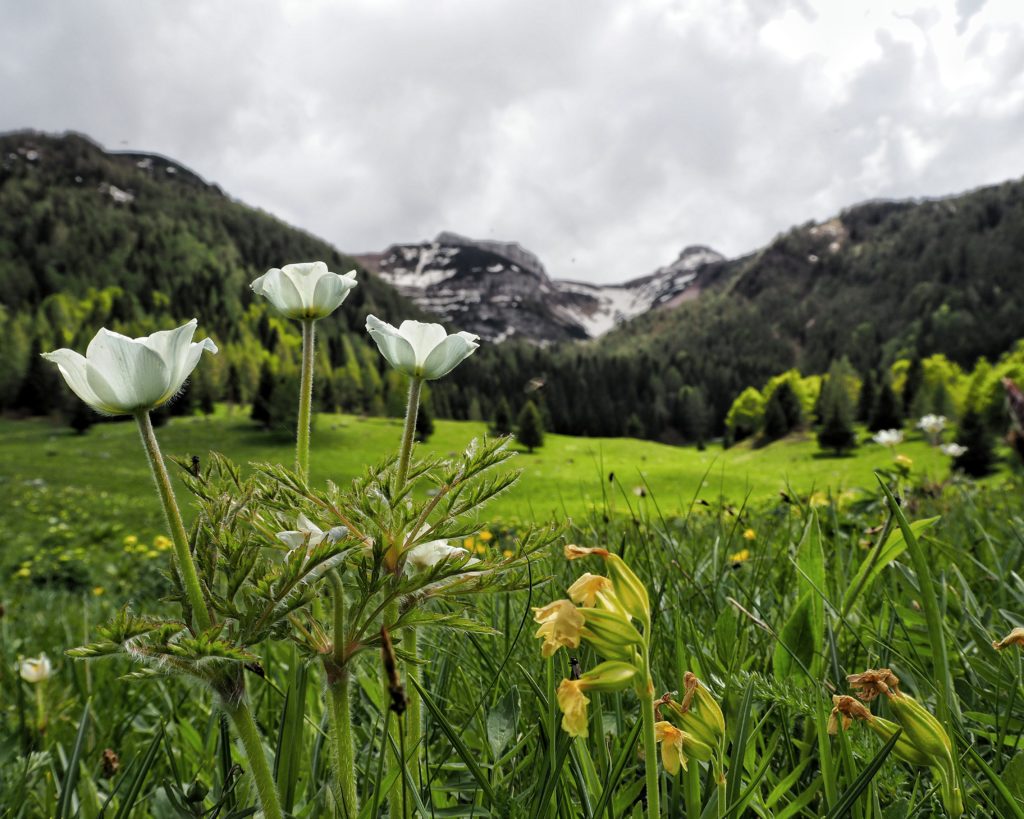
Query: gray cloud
604,136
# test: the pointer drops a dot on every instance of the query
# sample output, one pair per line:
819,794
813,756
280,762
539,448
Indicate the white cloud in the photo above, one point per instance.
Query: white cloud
604,136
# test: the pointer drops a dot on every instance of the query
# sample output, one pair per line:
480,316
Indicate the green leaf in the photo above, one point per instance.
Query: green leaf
71,771
797,644
860,784
878,559
503,721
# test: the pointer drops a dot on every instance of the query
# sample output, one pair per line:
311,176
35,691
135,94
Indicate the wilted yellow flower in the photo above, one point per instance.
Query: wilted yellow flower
1014,638
677,746
589,588
573,703
873,682
742,556
574,552
560,625
749,534
849,709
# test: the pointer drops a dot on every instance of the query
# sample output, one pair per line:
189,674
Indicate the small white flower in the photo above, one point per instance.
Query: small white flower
429,554
932,424
304,291
421,350
35,669
953,450
310,535
120,375
888,437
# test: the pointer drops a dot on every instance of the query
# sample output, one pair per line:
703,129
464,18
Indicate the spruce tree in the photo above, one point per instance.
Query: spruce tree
978,460
424,423
502,422
264,395
775,424
836,431
886,412
866,400
530,426
692,415
915,375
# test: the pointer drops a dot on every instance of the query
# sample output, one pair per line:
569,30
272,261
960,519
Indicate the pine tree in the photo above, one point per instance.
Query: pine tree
264,396
866,400
775,425
502,422
915,376
836,431
692,415
424,423
978,460
886,412
530,426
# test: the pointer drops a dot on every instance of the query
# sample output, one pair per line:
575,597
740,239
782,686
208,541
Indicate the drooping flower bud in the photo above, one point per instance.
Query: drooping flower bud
611,634
561,624
604,678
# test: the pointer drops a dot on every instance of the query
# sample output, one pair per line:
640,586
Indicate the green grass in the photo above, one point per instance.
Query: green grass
568,476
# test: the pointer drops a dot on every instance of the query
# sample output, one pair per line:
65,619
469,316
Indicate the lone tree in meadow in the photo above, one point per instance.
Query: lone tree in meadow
502,421
530,426
836,431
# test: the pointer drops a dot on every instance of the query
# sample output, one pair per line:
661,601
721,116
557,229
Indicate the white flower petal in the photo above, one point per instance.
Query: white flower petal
427,555
305,275
293,539
422,337
74,367
135,376
392,345
447,355
330,291
280,291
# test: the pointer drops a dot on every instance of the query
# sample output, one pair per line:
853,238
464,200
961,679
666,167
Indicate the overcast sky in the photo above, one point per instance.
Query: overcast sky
604,136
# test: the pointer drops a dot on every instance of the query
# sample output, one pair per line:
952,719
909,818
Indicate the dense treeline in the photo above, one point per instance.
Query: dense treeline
137,242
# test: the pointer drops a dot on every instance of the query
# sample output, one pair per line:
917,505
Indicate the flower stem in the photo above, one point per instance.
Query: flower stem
241,716
409,433
305,398
187,567
414,717
650,747
338,691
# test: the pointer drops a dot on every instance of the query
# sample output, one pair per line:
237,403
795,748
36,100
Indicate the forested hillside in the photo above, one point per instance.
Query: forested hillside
137,242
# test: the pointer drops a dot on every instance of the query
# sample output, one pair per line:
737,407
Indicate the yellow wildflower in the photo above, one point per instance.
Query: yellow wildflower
485,536
560,625
742,556
589,588
152,553
818,499
749,534
1014,638
162,542
469,543
130,540
508,553
24,571
671,739
98,590
903,461
573,703
481,549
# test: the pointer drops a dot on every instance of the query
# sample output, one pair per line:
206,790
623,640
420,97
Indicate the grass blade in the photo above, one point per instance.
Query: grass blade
620,765
860,784
67,790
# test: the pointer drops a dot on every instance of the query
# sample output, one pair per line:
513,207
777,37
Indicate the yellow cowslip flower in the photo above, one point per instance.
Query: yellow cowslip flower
1014,638
749,534
605,677
629,590
742,556
589,589
678,746
573,704
561,624
485,536
130,540
574,552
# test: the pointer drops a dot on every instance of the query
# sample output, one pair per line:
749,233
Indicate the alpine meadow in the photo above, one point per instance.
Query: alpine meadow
464,527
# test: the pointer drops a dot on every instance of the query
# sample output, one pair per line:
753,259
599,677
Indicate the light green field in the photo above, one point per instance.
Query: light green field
568,476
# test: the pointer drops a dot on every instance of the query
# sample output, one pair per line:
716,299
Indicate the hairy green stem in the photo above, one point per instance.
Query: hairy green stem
339,692
241,716
409,432
305,398
650,747
186,565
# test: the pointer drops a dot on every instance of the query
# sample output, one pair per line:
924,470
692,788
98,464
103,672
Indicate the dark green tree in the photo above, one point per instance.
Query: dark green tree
530,426
634,426
886,412
915,377
836,431
692,414
775,424
501,424
979,458
424,423
866,399
261,402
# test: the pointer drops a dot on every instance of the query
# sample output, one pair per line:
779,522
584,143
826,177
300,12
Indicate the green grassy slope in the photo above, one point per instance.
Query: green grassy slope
567,476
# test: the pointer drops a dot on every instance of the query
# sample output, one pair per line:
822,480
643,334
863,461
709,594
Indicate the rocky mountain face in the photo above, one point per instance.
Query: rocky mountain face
499,290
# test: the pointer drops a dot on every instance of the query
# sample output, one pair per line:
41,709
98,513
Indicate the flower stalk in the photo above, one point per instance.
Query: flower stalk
305,398
186,565
339,692
245,725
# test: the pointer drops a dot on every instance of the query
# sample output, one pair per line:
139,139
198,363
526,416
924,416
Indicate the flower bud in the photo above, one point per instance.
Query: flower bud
604,678
35,669
701,715
611,634
921,728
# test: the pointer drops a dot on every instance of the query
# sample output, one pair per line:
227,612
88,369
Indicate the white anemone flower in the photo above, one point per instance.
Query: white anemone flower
307,290
953,450
35,669
932,424
427,555
888,437
421,350
121,376
310,535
